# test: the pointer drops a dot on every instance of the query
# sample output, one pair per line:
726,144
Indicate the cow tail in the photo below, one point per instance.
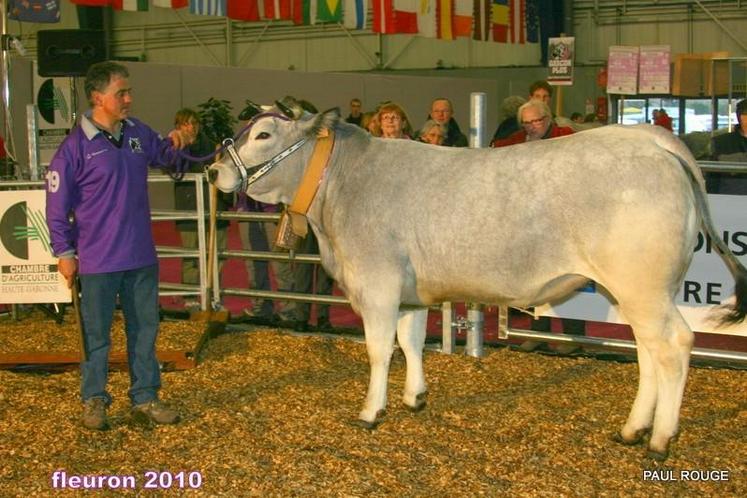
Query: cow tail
727,314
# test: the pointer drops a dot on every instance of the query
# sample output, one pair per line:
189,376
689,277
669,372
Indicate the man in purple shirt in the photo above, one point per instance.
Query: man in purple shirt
99,222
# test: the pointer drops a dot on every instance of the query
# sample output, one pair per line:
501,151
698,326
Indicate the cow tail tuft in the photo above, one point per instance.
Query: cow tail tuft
736,313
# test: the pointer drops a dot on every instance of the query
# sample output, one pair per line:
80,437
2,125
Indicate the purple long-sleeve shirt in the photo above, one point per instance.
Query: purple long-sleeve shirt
106,190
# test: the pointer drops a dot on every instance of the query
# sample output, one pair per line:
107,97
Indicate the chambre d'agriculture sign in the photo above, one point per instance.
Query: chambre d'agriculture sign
28,270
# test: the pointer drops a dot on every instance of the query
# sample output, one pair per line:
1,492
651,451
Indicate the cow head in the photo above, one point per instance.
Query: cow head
284,128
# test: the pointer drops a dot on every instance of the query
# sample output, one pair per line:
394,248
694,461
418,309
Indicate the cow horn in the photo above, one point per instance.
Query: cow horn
290,107
249,111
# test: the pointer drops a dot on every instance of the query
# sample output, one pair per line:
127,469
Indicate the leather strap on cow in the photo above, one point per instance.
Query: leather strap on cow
310,182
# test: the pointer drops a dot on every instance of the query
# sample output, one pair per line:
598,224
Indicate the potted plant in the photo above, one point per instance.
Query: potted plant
216,119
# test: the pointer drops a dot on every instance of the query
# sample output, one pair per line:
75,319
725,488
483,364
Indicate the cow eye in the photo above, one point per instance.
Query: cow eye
262,136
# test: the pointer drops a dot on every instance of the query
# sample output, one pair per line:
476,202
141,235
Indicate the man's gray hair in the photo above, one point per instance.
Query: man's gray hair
99,75
536,104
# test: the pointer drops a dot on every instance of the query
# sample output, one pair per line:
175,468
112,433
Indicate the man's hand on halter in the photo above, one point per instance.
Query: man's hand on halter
181,138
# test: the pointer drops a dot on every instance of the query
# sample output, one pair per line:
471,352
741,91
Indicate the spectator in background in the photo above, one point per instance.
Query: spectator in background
308,279
577,117
442,112
185,198
510,124
432,133
3,154
538,124
367,120
731,147
356,114
661,118
541,90
391,121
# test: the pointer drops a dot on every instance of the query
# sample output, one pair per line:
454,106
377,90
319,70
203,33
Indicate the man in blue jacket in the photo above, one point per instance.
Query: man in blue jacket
99,223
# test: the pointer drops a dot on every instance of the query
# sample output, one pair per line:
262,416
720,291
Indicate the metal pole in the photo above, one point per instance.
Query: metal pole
448,332
201,241
32,131
5,75
475,313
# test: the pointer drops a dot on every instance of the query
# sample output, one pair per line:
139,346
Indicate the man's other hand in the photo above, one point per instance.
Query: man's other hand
68,267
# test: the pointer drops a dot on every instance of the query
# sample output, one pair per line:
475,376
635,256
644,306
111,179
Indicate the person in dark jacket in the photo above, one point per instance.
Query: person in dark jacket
510,123
185,197
442,112
731,147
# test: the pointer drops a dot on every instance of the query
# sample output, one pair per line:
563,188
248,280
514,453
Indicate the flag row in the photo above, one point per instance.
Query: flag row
504,21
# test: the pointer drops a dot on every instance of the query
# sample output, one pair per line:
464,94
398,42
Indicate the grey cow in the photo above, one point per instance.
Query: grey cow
405,223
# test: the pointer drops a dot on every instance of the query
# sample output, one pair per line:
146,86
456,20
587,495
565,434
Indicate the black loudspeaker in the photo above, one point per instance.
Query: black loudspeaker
69,52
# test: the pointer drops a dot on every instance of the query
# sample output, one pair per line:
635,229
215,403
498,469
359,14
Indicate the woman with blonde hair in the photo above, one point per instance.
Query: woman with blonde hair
391,121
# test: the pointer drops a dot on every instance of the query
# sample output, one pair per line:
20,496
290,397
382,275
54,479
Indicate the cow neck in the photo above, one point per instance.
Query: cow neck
312,178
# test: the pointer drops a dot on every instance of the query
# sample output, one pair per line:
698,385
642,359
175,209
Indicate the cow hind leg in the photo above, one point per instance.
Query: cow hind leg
379,324
664,343
411,337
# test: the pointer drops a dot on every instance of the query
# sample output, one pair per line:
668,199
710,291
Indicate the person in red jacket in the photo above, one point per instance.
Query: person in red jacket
536,123
661,118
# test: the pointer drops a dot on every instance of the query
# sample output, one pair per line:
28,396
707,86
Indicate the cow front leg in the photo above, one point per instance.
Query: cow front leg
379,324
411,329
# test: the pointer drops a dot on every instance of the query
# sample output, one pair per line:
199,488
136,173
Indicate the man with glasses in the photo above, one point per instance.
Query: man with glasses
442,112
536,123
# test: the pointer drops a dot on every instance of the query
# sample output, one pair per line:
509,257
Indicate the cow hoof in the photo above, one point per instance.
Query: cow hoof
659,456
636,439
419,405
365,424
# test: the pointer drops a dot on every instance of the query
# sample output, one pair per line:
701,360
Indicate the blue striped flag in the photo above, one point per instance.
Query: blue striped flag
207,7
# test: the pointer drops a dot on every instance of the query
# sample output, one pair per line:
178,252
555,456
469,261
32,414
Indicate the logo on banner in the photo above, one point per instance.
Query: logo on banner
19,226
28,267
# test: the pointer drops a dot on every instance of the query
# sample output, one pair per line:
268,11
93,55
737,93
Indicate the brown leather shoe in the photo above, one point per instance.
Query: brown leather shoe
94,414
154,411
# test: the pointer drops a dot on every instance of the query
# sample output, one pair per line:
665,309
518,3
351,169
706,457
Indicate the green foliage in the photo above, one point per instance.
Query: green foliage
216,119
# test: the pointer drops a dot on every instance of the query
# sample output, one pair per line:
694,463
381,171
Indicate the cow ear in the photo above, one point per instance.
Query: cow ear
326,120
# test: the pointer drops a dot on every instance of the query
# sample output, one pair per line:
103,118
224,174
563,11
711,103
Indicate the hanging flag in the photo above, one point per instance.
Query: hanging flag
445,19
532,21
301,12
131,5
463,17
170,4
277,9
500,18
92,3
483,19
354,14
207,7
517,26
383,16
46,11
405,16
427,18
329,10
242,10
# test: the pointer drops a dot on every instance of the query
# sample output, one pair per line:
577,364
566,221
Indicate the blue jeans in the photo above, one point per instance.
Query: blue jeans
138,295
